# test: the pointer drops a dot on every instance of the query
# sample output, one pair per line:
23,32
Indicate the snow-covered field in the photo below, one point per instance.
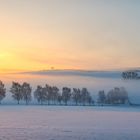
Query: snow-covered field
69,123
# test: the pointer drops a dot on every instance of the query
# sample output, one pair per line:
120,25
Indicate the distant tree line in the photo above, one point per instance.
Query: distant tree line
130,75
52,95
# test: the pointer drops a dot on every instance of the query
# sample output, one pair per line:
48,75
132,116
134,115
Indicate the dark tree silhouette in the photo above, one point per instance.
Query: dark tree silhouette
49,93
101,97
117,96
84,96
40,94
66,94
26,91
130,75
16,91
76,95
90,100
59,99
55,94
123,96
2,91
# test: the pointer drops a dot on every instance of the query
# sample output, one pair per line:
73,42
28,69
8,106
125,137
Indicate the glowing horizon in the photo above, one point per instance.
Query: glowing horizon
37,35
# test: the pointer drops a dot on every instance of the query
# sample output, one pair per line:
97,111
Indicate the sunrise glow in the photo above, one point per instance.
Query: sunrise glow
36,35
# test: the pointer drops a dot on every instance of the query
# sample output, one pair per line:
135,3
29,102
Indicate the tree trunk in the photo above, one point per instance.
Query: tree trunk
66,103
48,102
41,102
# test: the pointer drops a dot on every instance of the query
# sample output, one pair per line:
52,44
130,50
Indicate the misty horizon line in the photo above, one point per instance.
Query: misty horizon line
12,71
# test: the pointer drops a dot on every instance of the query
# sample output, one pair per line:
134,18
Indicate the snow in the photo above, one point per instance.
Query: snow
69,123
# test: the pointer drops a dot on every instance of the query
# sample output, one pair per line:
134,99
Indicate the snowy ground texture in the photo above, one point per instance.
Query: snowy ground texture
69,123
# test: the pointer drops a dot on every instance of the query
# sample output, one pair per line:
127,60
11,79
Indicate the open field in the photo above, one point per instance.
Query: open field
69,123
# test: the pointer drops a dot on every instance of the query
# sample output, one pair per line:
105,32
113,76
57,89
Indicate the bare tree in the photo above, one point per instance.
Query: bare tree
2,91
66,94
84,96
40,94
26,91
101,97
123,95
59,99
117,96
49,93
90,100
16,91
55,94
76,95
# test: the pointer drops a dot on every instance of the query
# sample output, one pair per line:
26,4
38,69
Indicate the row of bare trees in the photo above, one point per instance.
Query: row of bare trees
52,95
47,94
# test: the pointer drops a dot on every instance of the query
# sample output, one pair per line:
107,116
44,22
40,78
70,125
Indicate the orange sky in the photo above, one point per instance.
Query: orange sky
36,35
